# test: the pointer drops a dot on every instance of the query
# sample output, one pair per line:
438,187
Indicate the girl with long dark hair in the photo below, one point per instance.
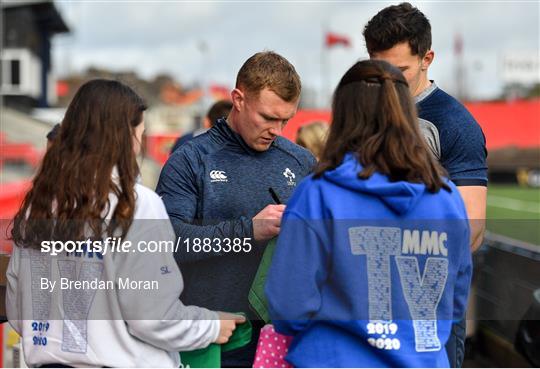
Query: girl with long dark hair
372,262
76,294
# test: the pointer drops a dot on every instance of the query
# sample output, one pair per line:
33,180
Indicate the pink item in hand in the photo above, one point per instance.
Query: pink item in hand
272,349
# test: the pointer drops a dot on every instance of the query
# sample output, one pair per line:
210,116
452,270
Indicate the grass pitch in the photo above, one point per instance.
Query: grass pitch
514,212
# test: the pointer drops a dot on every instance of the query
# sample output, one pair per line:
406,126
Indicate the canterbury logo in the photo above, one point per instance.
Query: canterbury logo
218,176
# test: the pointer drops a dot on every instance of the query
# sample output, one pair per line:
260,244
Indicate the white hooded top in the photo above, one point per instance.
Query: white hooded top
118,327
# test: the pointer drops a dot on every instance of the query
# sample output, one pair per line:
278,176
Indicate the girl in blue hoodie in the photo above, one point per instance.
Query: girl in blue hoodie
372,263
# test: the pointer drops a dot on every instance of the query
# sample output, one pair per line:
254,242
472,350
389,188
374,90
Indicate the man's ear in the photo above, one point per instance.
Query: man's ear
238,99
427,59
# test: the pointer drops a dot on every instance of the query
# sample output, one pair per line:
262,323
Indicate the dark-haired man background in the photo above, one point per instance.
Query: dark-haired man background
220,109
401,35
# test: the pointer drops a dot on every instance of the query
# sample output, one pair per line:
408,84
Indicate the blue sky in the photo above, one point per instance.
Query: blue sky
154,37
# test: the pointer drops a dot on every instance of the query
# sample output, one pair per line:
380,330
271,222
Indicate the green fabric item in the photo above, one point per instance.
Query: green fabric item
210,357
256,297
241,336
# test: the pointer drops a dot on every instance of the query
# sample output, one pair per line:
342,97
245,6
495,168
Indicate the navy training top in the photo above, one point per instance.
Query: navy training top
462,142
212,187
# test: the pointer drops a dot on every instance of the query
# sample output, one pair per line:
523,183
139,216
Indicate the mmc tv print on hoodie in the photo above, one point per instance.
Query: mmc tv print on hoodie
422,294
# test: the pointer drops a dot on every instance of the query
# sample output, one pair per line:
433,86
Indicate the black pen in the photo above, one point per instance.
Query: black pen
274,195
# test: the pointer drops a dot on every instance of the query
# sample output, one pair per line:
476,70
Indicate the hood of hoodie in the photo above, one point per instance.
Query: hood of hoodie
400,196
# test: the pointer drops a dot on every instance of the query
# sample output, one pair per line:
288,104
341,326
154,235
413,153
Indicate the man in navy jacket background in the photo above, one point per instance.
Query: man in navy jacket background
401,35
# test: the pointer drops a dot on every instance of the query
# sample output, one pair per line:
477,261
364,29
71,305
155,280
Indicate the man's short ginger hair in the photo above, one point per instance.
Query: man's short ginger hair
270,70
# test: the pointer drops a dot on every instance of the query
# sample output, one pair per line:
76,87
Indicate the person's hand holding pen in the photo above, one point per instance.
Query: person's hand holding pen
266,223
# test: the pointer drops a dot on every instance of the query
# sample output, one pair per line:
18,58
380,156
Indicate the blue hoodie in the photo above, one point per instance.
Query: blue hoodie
369,273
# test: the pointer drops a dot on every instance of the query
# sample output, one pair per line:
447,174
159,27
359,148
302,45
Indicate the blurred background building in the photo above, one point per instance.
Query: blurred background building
27,74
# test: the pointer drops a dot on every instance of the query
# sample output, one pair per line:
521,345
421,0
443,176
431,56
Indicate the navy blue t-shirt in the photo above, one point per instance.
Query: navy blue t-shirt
462,143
